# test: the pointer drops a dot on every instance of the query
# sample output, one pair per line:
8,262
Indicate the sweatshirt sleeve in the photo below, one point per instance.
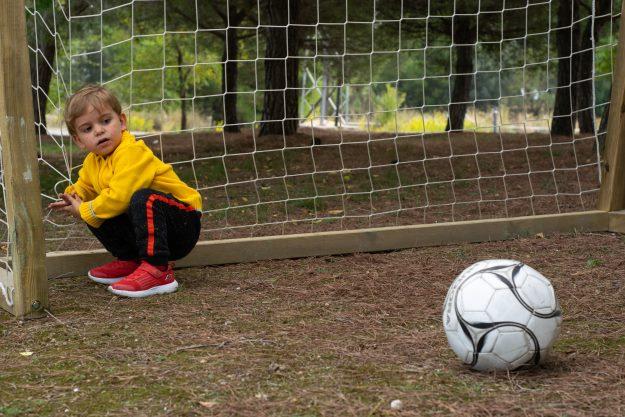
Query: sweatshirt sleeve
133,169
82,187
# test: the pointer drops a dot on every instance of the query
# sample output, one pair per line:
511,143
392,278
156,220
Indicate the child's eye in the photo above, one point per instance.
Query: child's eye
86,129
106,121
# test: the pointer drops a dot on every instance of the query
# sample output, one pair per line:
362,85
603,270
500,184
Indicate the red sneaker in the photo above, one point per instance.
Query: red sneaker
112,272
146,280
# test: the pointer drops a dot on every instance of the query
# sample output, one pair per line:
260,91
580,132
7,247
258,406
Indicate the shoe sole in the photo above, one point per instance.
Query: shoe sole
108,281
161,289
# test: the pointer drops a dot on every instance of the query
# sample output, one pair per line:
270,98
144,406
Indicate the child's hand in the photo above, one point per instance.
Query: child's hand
69,203
58,204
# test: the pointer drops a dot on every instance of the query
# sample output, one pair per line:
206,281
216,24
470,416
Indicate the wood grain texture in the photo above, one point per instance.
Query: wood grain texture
612,192
366,240
19,158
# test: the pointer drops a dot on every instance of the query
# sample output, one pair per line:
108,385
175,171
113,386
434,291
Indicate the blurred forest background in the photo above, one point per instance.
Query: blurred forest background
274,65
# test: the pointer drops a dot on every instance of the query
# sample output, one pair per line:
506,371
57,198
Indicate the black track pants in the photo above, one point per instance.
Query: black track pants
157,228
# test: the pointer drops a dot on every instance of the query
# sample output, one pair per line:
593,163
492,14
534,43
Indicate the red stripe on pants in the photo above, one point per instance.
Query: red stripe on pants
150,216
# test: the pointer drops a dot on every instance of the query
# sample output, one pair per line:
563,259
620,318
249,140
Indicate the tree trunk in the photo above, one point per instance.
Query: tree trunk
563,120
229,77
337,111
583,93
182,81
463,36
183,110
41,69
280,113
41,75
584,69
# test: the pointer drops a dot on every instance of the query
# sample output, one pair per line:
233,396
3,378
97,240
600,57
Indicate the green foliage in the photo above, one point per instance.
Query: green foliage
386,104
139,123
11,411
148,53
416,122
411,121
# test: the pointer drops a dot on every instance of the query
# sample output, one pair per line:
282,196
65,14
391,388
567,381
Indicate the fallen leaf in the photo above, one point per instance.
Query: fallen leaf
26,353
208,404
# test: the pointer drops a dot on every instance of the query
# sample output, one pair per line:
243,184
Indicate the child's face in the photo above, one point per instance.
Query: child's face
99,130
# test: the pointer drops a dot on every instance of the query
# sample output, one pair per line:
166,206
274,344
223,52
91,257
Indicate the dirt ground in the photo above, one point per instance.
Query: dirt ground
328,336
326,179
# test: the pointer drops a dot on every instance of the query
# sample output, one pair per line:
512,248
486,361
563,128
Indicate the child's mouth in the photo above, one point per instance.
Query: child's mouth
101,141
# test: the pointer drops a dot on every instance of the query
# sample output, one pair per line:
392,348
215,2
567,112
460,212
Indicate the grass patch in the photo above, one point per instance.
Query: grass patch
593,263
592,345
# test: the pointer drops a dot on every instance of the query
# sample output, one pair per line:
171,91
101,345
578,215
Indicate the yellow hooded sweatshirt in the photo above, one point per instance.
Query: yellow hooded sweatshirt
106,184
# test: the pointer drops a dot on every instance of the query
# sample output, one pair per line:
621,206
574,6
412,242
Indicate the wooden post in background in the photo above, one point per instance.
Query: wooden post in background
612,192
21,173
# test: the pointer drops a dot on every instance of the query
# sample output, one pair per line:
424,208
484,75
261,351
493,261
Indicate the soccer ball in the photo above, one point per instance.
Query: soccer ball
501,315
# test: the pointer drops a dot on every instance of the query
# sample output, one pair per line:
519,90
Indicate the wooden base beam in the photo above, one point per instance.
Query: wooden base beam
617,221
218,252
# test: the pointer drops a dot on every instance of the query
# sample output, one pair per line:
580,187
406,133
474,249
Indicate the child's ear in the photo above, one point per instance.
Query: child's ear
78,142
123,121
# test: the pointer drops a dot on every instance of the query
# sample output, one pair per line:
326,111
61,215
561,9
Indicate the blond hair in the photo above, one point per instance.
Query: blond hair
92,95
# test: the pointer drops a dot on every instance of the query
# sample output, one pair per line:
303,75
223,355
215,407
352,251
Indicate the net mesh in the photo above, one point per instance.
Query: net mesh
294,117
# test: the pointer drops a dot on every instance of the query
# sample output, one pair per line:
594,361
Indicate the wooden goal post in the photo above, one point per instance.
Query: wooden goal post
612,192
24,286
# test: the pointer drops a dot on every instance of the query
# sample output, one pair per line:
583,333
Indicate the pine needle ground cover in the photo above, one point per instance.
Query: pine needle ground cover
328,336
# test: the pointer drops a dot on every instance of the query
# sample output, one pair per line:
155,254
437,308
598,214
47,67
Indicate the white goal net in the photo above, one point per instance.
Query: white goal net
294,116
